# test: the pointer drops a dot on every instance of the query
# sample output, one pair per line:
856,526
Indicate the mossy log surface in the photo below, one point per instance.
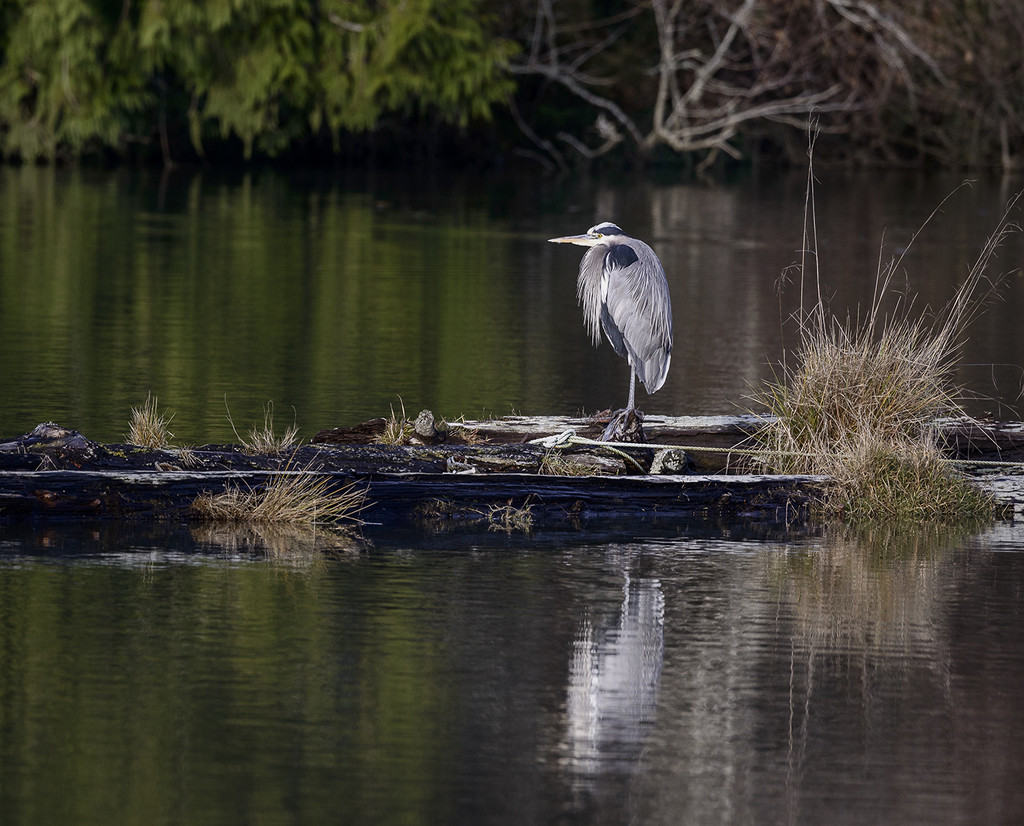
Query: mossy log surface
455,473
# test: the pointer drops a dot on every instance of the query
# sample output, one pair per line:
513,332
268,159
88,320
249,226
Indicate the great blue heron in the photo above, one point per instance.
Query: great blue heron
623,290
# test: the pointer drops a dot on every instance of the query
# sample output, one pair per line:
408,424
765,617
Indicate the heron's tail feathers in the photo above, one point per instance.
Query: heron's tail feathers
653,370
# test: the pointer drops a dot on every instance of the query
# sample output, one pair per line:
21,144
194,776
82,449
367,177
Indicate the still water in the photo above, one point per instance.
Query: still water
178,677
694,673
339,298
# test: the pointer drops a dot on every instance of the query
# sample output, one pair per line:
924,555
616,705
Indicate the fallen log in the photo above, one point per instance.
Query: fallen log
427,498
473,471
715,442
711,438
55,472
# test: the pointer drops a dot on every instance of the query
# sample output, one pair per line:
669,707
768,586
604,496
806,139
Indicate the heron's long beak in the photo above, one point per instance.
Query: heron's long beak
585,240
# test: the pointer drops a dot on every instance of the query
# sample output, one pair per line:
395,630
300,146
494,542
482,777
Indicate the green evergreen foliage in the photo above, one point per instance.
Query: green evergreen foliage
57,91
82,75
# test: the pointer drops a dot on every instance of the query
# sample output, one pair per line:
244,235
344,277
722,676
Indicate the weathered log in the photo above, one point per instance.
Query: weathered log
424,496
710,438
982,441
52,471
714,436
76,453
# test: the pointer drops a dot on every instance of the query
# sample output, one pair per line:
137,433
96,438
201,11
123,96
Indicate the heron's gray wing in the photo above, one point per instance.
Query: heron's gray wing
637,310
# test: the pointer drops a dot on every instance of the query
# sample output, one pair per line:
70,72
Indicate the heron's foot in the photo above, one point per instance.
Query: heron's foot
625,426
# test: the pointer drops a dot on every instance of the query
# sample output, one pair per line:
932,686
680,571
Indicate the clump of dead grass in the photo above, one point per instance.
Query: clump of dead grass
859,407
397,429
468,435
148,427
265,441
860,399
555,463
188,456
289,497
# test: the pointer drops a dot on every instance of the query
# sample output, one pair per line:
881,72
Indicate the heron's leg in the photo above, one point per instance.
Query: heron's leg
625,425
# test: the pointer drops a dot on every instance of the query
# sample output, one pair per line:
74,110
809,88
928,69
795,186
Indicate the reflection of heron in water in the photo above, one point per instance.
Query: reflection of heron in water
623,290
613,681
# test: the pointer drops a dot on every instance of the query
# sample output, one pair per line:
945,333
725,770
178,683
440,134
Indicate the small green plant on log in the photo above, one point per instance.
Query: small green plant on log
860,403
904,480
289,497
148,427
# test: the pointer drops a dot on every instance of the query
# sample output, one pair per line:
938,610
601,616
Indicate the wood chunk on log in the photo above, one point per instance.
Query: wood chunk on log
49,446
672,461
427,430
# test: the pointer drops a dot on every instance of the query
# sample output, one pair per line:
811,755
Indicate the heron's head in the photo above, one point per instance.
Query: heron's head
595,235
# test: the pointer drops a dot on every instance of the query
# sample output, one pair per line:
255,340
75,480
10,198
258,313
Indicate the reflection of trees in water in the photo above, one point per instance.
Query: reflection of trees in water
613,682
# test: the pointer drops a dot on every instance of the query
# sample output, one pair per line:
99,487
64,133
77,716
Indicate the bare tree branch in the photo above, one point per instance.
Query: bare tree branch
723,66
561,75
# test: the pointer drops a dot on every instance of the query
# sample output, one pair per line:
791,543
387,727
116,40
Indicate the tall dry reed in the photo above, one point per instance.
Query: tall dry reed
859,398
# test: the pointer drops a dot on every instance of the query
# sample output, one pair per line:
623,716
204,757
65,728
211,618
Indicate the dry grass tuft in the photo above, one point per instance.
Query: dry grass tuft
188,456
289,497
397,429
555,463
860,402
263,441
442,513
148,428
468,435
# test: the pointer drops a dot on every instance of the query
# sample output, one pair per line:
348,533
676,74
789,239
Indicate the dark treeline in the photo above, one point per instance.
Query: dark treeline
699,82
